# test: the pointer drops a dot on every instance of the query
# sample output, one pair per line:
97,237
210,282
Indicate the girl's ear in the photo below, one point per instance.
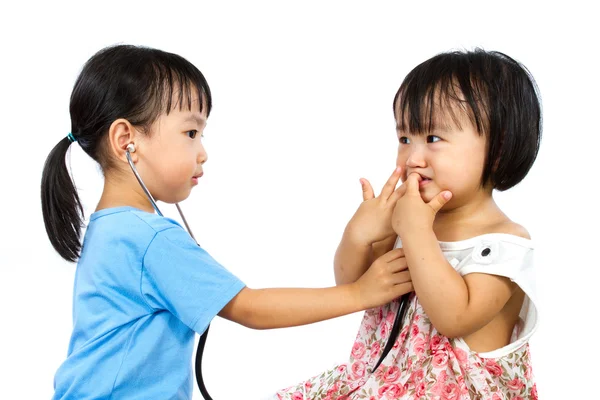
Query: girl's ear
120,134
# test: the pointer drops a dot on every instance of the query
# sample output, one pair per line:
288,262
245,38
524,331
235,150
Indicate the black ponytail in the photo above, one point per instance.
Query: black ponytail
61,207
131,82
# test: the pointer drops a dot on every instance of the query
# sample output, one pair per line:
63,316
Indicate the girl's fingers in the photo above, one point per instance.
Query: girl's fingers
412,183
403,288
393,255
398,265
391,183
438,201
398,193
367,190
401,277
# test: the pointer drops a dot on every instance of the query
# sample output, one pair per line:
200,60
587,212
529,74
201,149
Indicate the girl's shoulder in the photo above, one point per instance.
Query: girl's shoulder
511,228
509,233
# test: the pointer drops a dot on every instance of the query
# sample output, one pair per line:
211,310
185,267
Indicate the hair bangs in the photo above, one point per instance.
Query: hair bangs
438,94
174,83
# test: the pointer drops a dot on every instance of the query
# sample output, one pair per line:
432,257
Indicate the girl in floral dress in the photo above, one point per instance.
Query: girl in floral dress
467,123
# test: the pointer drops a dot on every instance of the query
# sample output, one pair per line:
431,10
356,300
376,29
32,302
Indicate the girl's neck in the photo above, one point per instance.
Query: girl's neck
477,217
119,192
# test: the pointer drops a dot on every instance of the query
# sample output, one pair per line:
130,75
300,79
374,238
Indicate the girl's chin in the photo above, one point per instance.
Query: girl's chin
177,198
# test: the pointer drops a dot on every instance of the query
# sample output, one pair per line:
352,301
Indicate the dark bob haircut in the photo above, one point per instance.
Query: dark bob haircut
497,93
138,84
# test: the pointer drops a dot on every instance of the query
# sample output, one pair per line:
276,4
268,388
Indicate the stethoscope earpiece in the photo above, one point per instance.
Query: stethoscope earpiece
131,148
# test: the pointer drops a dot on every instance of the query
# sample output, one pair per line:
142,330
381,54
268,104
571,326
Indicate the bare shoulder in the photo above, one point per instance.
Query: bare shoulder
512,228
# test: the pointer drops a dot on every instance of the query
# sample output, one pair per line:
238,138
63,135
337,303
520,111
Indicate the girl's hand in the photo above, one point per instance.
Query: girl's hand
411,212
386,279
372,221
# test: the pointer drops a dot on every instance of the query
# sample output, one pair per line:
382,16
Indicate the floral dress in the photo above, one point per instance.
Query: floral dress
423,364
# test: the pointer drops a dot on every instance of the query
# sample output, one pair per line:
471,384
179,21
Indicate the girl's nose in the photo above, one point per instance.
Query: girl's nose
416,158
202,155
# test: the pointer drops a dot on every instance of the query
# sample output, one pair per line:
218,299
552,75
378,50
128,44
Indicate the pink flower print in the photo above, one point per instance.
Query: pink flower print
528,372
436,343
448,346
533,393
355,384
391,374
450,392
442,377
380,372
516,384
440,359
384,330
460,381
493,367
461,355
375,348
358,369
417,376
392,391
419,345
437,389
358,350
415,330
390,317
402,336
423,364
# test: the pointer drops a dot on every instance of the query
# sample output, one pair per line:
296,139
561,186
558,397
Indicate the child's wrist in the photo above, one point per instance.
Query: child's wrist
356,297
416,234
413,230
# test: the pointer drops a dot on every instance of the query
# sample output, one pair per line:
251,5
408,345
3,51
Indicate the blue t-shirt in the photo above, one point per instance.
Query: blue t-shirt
143,287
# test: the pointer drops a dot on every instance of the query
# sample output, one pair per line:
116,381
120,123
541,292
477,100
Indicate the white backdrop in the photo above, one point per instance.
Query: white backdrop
302,109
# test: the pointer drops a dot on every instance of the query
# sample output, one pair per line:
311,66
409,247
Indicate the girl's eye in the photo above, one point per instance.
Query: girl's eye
192,134
404,140
433,139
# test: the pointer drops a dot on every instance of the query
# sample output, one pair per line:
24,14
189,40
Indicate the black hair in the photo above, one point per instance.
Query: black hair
124,81
497,93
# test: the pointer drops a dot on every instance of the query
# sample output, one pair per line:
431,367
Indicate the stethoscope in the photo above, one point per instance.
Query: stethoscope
404,300
202,342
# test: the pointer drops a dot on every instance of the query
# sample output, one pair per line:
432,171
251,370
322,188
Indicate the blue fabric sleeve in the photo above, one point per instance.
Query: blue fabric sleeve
182,278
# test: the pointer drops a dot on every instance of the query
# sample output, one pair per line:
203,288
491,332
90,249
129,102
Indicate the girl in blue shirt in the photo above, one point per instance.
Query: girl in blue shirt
143,287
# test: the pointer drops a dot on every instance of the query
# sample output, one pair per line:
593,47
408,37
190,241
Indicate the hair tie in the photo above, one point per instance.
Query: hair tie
71,137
